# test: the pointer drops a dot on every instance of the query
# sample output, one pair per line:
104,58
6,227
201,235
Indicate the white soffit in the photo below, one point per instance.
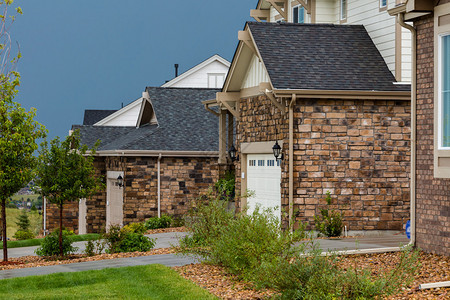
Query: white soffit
197,68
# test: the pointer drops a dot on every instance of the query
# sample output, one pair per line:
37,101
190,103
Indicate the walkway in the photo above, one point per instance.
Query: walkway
164,240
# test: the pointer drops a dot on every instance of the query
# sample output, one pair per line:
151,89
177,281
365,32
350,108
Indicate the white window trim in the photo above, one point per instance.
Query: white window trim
304,13
441,154
216,75
341,10
383,6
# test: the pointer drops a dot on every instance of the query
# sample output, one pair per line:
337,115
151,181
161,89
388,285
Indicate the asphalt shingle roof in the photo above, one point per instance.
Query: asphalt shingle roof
92,116
183,125
322,57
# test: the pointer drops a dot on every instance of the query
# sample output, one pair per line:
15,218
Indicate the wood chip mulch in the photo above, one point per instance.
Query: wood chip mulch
36,261
433,268
165,230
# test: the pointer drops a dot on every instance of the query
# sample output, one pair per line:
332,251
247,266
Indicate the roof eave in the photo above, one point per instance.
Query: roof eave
344,94
156,153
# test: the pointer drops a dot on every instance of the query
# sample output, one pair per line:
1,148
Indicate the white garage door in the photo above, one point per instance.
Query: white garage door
264,178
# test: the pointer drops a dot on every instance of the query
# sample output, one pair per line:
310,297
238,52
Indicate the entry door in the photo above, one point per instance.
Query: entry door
82,211
264,179
114,203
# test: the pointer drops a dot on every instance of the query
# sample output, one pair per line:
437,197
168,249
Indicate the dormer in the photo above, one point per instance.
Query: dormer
136,114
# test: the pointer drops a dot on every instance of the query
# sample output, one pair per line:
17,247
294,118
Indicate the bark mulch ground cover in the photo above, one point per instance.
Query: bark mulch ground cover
165,230
36,261
433,268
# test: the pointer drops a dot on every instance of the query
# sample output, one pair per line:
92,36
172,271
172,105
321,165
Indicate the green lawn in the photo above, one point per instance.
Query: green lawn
37,242
11,219
142,282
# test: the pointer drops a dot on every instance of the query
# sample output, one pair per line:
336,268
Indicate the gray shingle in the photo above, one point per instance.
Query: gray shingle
184,125
322,57
92,116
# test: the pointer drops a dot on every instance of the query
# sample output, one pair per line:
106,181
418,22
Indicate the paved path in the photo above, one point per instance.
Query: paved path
164,240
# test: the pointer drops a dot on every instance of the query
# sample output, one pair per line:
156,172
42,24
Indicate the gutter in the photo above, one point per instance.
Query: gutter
291,161
344,94
156,153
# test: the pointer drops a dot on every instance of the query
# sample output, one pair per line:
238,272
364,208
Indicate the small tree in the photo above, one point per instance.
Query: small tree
18,130
66,173
23,222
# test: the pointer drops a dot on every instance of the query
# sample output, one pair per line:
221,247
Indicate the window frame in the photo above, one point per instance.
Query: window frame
298,15
383,7
343,18
441,154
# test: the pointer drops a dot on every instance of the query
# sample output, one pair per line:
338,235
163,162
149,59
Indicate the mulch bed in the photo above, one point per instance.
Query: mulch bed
36,261
434,268
165,230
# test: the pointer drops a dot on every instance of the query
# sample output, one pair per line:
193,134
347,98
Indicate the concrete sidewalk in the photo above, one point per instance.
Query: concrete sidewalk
165,240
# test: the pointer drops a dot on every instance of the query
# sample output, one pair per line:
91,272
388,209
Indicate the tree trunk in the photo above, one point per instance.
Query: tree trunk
60,229
5,244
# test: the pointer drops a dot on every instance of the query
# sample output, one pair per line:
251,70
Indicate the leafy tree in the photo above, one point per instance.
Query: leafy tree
18,130
66,173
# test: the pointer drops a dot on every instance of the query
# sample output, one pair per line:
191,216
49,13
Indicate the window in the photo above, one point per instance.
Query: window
252,163
444,89
343,10
383,3
261,163
441,91
270,163
298,14
215,81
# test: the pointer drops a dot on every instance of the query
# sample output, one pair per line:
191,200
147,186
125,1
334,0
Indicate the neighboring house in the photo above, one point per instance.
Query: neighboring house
430,122
164,147
393,42
210,73
327,96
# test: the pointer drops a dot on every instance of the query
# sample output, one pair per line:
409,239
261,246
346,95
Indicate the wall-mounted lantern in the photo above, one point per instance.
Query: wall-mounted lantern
120,181
233,154
277,151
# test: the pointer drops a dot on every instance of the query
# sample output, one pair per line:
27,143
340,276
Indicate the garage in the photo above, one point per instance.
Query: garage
264,178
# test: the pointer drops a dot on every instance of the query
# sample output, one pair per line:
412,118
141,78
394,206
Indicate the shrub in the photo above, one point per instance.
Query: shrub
94,247
329,223
135,227
33,207
225,187
154,223
178,222
50,245
23,235
125,240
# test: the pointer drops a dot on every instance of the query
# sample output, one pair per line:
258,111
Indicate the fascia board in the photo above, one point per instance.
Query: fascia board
155,153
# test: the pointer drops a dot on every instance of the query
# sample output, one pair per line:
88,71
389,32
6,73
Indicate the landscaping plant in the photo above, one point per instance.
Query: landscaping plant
329,223
126,240
225,186
23,222
50,245
163,222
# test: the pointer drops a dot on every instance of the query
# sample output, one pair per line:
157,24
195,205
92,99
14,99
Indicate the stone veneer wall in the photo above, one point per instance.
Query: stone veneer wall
432,194
356,149
182,180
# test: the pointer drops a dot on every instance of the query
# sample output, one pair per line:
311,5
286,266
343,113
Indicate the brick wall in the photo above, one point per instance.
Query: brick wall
182,180
358,150
432,194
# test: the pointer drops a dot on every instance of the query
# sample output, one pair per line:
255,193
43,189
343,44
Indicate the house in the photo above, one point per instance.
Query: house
430,154
208,74
327,95
164,148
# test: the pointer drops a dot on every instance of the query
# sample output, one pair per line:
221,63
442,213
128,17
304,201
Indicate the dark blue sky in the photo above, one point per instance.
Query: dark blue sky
96,54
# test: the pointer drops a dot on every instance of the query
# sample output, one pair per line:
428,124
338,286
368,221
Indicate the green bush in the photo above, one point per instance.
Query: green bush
23,222
23,235
154,223
124,240
329,223
94,247
225,187
135,227
255,248
50,245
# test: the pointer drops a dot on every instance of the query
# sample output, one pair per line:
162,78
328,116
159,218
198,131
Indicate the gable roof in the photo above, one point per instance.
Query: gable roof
323,57
183,125
92,116
196,68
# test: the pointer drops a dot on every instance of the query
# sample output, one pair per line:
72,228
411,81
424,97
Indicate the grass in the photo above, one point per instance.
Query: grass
37,242
32,197
141,282
11,219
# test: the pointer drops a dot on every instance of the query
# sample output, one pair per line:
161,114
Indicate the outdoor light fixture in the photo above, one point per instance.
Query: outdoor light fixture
120,181
277,151
233,154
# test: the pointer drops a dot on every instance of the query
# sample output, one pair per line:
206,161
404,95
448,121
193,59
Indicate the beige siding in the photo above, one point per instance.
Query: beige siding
256,74
327,11
406,55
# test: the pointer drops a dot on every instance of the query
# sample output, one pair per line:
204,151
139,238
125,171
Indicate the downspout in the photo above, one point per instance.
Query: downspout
291,161
45,216
401,21
159,185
